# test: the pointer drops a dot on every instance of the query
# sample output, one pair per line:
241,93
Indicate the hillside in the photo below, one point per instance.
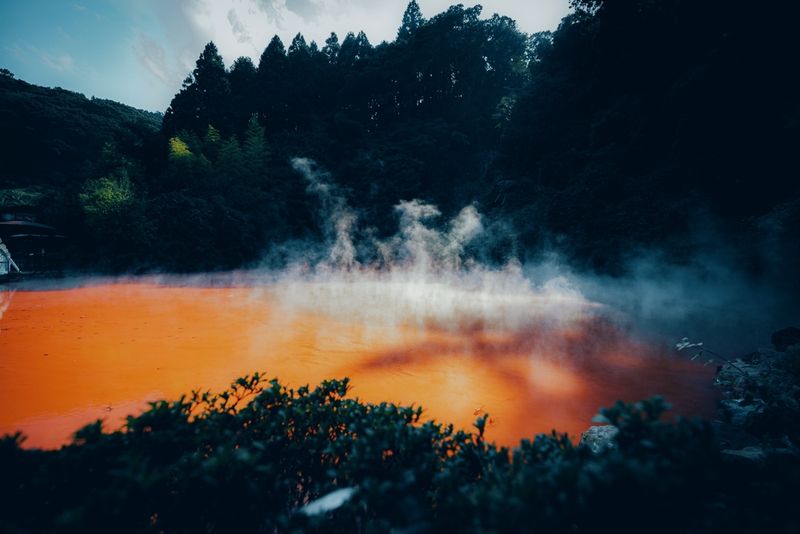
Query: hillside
52,136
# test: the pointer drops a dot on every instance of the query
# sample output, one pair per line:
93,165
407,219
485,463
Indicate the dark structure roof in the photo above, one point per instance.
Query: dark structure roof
10,229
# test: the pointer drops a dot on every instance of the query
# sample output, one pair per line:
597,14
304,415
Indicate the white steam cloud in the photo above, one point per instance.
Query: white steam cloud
5,301
425,273
422,275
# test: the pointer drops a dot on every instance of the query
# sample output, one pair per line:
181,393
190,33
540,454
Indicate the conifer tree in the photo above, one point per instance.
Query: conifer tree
272,85
299,47
254,150
412,20
273,58
331,48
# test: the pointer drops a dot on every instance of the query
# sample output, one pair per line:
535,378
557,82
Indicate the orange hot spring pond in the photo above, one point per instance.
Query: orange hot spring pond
71,356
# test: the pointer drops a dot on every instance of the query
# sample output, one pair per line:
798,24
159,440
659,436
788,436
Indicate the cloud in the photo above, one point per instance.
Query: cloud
238,28
80,8
270,7
306,9
18,52
154,58
59,62
56,62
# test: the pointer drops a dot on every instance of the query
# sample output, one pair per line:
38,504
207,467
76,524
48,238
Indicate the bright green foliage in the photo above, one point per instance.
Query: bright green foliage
116,217
178,149
249,460
212,141
106,197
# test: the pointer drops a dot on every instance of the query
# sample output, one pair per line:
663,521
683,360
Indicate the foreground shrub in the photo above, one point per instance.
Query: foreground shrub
263,458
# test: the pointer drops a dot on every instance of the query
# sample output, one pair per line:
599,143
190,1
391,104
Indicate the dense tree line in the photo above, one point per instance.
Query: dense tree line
51,137
51,142
402,120
643,121
630,126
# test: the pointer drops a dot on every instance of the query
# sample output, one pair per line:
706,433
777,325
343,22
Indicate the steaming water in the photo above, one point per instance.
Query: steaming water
411,319
458,345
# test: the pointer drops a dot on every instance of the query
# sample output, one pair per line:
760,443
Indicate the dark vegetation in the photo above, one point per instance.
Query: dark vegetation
214,463
53,140
631,126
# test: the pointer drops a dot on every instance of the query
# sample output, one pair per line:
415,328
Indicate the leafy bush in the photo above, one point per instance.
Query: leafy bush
261,457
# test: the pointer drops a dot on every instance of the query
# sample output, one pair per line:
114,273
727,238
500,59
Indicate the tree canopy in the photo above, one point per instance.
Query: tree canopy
627,127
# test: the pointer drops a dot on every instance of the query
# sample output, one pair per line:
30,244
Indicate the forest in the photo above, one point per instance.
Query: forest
633,126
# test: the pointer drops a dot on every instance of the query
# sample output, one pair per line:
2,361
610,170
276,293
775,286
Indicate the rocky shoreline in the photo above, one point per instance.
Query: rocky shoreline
758,418
759,415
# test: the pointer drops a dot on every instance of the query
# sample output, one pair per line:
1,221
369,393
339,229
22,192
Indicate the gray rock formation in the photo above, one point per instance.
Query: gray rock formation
600,438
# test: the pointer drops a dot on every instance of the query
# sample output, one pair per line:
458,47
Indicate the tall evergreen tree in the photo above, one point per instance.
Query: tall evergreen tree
299,48
354,49
254,150
412,20
273,85
331,48
209,70
243,78
273,58
242,75
204,98
213,87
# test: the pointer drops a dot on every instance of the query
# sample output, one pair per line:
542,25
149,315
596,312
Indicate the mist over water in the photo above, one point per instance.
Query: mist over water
415,318
425,274
429,271
5,302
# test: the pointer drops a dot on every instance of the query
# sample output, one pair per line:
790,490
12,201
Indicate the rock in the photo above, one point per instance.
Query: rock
748,454
785,338
741,414
599,438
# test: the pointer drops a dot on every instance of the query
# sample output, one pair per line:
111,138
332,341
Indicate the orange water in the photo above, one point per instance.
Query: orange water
68,357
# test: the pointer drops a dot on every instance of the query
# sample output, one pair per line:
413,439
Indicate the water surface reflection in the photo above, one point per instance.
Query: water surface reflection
69,356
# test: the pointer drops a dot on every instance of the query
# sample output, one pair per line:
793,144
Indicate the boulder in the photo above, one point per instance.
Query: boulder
600,438
740,413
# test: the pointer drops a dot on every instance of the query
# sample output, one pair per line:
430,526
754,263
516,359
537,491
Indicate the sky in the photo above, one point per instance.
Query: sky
139,51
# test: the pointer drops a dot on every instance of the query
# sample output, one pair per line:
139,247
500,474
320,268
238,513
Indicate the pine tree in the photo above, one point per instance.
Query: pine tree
244,82
230,162
331,48
211,142
209,68
203,98
354,48
254,150
211,91
412,20
272,85
273,58
299,48
242,75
